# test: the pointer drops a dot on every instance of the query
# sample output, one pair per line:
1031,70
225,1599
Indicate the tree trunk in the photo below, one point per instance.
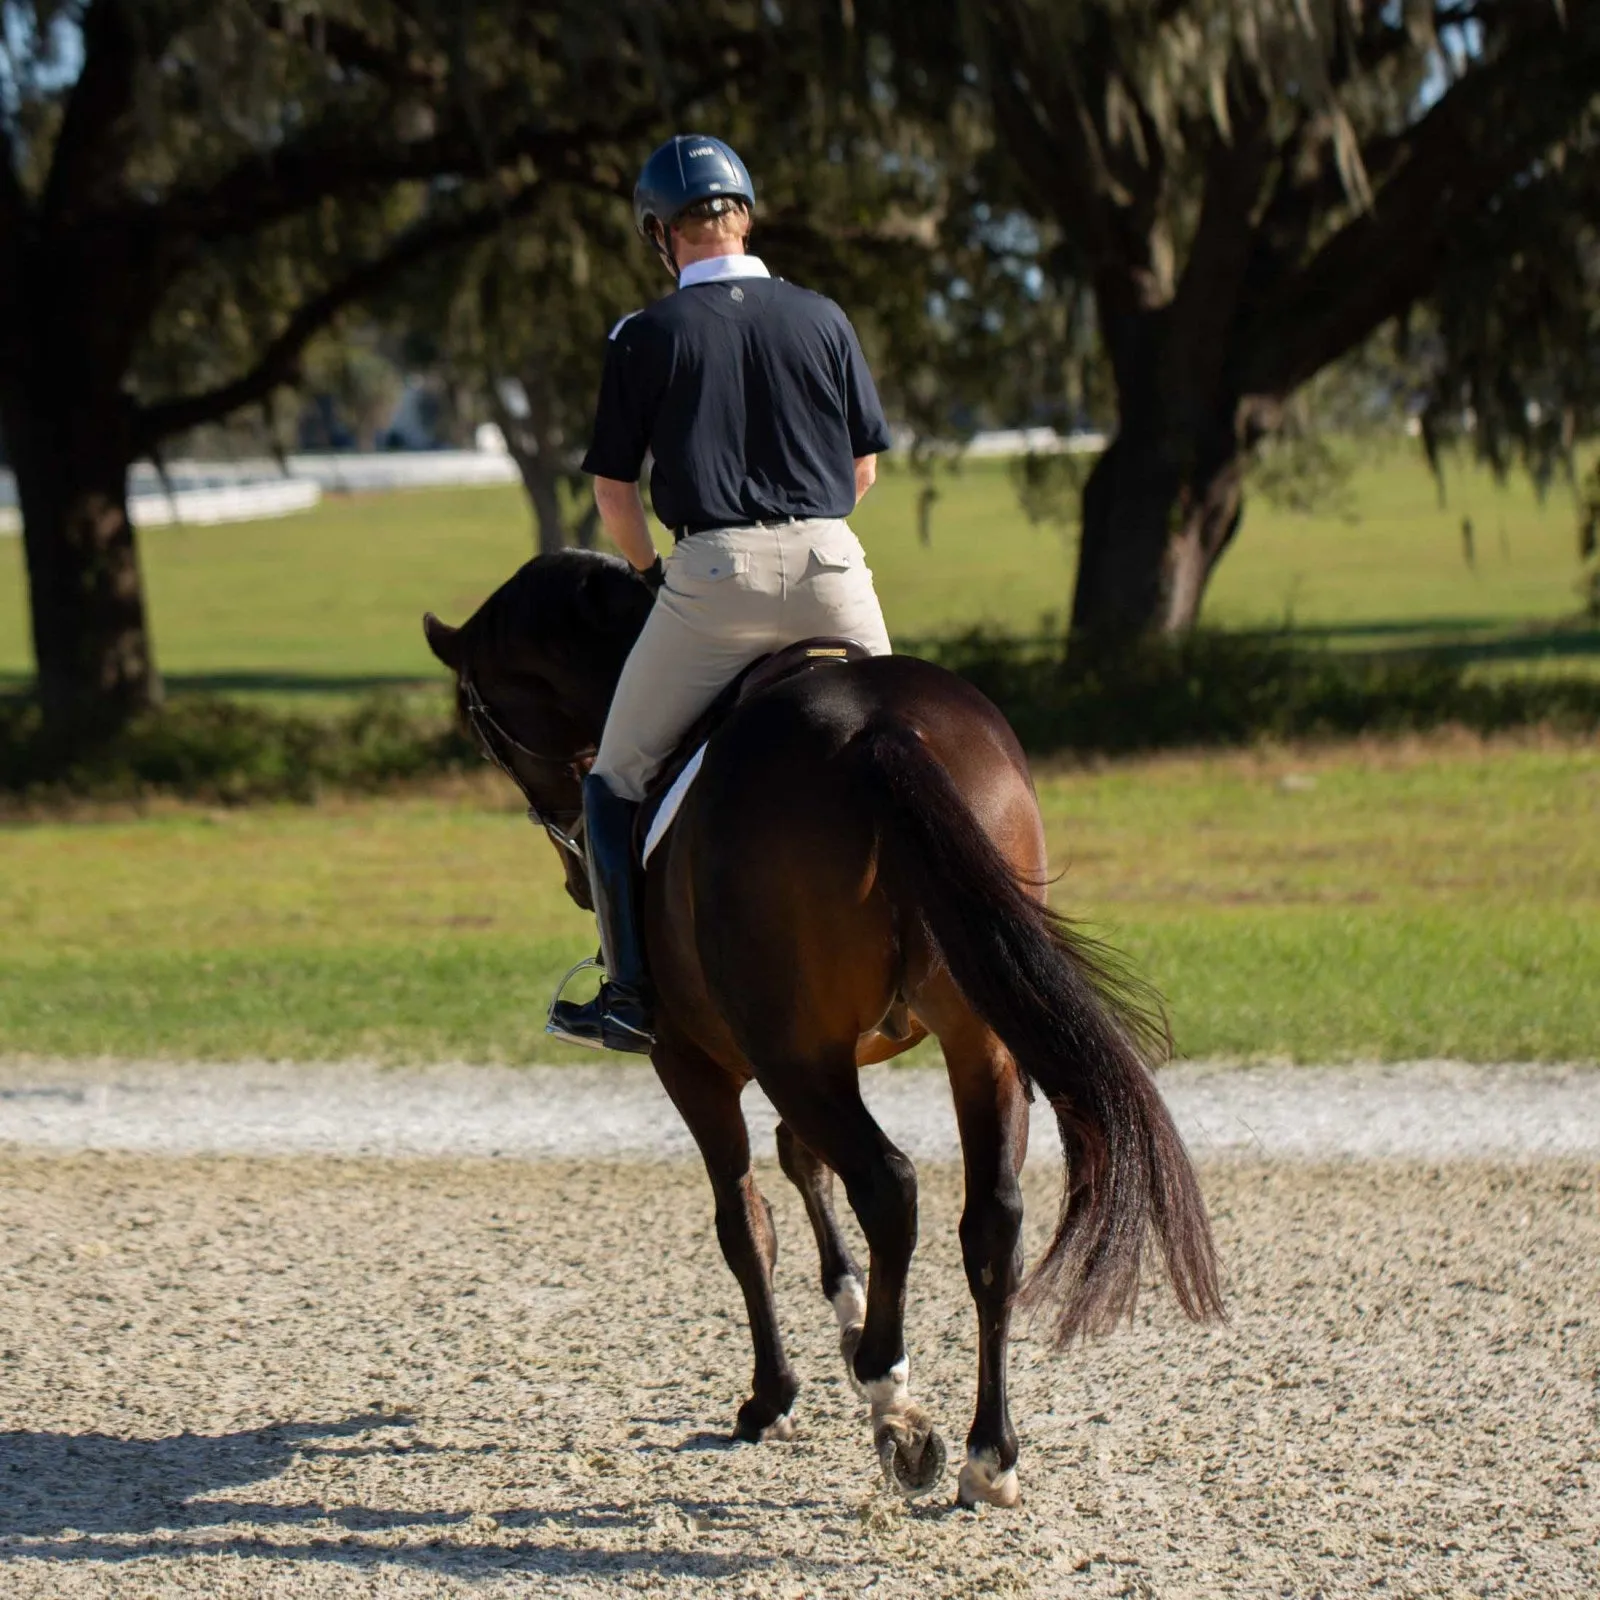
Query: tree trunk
542,485
1152,536
587,532
70,313
70,451
536,459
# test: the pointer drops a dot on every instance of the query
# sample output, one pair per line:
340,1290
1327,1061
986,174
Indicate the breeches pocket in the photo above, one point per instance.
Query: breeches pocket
698,565
833,552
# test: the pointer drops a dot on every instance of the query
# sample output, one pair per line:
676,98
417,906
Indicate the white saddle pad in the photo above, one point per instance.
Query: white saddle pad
669,806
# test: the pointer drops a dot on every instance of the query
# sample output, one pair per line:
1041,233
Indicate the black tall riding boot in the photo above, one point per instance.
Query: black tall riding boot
620,1017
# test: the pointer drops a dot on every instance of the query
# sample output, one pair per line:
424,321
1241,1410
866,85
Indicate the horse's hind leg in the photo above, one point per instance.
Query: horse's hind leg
841,1278
992,1113
708,1101
824,1109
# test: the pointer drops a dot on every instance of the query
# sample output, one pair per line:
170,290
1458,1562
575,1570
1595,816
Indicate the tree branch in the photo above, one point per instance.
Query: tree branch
1053,152
354,49
278,364
86,150
1205,304
1495,120
1104,194
330,160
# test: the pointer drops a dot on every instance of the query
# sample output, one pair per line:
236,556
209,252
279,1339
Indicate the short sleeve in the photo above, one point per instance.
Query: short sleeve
869,430
625,413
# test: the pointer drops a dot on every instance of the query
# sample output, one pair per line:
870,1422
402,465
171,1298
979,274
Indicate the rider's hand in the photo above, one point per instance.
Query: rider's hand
653,576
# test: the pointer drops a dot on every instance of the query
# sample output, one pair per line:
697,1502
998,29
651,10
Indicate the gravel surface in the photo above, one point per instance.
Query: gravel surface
1422,1109
248,1375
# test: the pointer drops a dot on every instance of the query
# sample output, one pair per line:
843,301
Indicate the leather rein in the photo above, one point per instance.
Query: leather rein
487,730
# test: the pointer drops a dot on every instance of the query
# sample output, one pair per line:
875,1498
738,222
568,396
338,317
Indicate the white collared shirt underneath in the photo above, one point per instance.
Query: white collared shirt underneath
714,268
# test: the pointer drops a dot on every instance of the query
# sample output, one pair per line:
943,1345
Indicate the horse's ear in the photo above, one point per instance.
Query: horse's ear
443,640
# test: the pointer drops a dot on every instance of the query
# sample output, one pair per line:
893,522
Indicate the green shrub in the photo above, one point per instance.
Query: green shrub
1218,688
213,748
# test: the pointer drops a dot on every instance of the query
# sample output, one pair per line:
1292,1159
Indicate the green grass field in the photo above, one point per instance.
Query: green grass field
329,602
1390,902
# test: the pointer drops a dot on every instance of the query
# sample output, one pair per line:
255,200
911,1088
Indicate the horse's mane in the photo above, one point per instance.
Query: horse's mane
576,604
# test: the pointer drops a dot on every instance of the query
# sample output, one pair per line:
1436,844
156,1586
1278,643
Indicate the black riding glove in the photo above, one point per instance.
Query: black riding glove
652,577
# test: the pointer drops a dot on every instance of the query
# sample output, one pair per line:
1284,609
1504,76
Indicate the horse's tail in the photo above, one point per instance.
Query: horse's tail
1079,1028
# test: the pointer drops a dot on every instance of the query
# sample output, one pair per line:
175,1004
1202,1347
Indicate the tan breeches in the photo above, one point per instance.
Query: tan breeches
731,596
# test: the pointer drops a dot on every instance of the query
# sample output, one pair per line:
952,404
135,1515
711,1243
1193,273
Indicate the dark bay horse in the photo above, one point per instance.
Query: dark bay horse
860,863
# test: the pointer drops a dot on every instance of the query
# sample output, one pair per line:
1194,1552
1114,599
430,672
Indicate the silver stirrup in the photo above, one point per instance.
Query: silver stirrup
561,988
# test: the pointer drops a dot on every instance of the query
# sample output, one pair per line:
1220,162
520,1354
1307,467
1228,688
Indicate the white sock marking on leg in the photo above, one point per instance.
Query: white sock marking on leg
892,1391
850,1304
982,1480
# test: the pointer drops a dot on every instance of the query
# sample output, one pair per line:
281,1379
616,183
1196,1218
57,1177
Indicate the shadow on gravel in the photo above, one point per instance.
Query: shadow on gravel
88,1497
91,1483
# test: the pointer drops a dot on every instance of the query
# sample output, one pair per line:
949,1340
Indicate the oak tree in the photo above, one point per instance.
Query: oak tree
1244,191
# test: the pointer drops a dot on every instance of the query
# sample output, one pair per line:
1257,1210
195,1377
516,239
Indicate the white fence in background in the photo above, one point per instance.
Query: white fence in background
994,443
1034,441
201,506
379,471
236,502
206,492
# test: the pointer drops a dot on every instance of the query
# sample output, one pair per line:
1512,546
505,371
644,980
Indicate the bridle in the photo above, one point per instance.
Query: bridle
487,730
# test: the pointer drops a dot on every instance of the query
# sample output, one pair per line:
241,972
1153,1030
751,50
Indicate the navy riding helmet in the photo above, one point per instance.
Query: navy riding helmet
688,168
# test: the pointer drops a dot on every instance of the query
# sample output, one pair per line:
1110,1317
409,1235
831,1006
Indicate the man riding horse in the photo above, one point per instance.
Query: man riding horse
754,400
860,863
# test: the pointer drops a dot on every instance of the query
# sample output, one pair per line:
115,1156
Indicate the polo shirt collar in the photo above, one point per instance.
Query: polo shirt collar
715,268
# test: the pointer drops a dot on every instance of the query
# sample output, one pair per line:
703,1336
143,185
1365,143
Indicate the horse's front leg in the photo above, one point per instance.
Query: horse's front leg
708,1101
842,1280
821,1102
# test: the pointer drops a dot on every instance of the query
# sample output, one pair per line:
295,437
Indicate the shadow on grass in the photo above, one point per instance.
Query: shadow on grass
92,1498
1457,641
1411,627
1536,647
308,683
273,682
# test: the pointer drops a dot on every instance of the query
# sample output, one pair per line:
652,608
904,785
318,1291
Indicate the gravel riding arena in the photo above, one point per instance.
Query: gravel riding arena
301,1331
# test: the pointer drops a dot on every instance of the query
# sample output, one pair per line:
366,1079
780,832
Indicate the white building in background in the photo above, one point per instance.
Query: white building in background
202,493
414,422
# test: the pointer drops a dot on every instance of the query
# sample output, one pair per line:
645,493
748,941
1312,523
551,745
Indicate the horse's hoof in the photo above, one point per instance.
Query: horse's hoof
750,1429
983,1483
911,1453
781,1431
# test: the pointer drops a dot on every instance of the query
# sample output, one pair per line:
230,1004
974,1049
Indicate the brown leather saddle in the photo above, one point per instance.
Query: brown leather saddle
765,672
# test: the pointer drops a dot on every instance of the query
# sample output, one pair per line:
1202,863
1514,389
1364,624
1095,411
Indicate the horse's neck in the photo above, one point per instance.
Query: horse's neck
591,711
612,675
587,701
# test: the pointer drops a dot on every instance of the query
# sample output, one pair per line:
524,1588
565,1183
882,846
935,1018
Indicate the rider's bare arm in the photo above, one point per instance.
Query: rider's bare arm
866,476
622,511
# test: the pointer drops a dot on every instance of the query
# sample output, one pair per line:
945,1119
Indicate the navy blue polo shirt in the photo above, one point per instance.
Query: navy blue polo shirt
751,394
